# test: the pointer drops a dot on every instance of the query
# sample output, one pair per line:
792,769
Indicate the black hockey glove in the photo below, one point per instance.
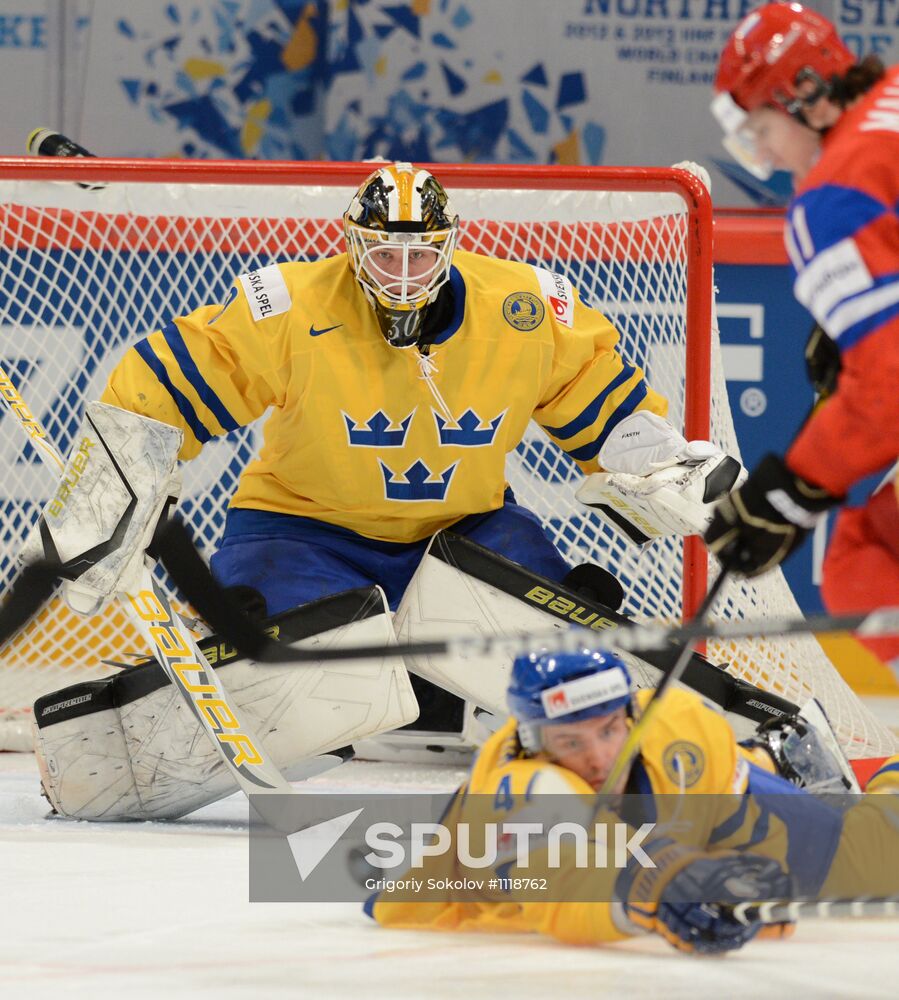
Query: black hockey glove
758,525
709,928
688,897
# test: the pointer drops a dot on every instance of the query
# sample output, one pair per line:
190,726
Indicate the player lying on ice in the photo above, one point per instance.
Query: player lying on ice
726,824
398,375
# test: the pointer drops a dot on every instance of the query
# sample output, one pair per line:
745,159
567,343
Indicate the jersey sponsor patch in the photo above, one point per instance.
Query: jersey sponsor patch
684,763
523,310
830,277
559,294
266,292
585,692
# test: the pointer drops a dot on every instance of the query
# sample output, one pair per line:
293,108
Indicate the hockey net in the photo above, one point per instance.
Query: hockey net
84,273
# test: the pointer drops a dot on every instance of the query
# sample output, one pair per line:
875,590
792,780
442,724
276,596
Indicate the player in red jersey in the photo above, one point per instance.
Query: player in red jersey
791,96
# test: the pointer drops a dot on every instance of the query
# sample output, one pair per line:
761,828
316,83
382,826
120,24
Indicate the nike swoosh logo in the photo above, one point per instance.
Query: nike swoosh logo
327,329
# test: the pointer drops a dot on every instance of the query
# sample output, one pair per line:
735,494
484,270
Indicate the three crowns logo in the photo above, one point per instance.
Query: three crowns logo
418,482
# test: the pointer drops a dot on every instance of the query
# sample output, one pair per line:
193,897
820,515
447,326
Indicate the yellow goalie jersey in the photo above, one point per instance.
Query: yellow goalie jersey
385,442
695,777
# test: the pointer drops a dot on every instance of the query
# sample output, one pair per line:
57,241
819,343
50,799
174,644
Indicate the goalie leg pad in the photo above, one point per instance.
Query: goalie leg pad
461,586
130,748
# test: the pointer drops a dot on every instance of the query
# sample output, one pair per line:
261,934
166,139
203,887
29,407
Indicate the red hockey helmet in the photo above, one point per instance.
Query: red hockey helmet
774,49
771,53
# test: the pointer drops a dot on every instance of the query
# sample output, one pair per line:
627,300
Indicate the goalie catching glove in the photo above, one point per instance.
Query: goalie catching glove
767,518
656,482
119,480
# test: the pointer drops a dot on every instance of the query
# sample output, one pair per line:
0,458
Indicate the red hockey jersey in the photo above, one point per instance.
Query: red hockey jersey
843,240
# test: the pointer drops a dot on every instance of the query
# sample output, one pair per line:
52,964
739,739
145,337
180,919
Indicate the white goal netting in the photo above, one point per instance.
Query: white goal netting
83,274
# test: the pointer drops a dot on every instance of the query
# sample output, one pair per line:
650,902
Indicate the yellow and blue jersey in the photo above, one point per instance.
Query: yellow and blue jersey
691,775
368,437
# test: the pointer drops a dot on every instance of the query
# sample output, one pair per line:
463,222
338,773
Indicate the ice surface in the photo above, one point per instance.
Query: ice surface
160,910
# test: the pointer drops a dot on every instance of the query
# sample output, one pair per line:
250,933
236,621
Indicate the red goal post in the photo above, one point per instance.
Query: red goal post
83,273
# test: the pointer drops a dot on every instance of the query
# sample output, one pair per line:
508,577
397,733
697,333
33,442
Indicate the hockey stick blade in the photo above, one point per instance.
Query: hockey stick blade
32,589
175,549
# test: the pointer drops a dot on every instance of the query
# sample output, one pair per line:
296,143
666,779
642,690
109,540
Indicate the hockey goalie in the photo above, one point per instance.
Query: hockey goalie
397,376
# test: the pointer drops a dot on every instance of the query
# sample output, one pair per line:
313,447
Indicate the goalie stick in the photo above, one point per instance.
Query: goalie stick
32,589
173,646
177,553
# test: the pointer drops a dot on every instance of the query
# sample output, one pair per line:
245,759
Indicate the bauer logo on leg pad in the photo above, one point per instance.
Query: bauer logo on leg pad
564,607
200,685
77,465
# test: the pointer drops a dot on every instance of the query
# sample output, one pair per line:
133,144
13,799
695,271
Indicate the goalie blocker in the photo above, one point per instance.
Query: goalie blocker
117,484
128,747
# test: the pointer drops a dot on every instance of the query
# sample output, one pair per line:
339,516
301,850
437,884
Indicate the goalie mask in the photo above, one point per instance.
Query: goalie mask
768,61
400,236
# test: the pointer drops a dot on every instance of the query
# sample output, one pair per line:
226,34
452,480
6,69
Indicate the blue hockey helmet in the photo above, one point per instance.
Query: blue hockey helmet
551,688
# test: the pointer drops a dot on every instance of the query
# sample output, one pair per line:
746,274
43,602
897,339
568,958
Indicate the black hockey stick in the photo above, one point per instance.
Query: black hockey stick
31,590
631,746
